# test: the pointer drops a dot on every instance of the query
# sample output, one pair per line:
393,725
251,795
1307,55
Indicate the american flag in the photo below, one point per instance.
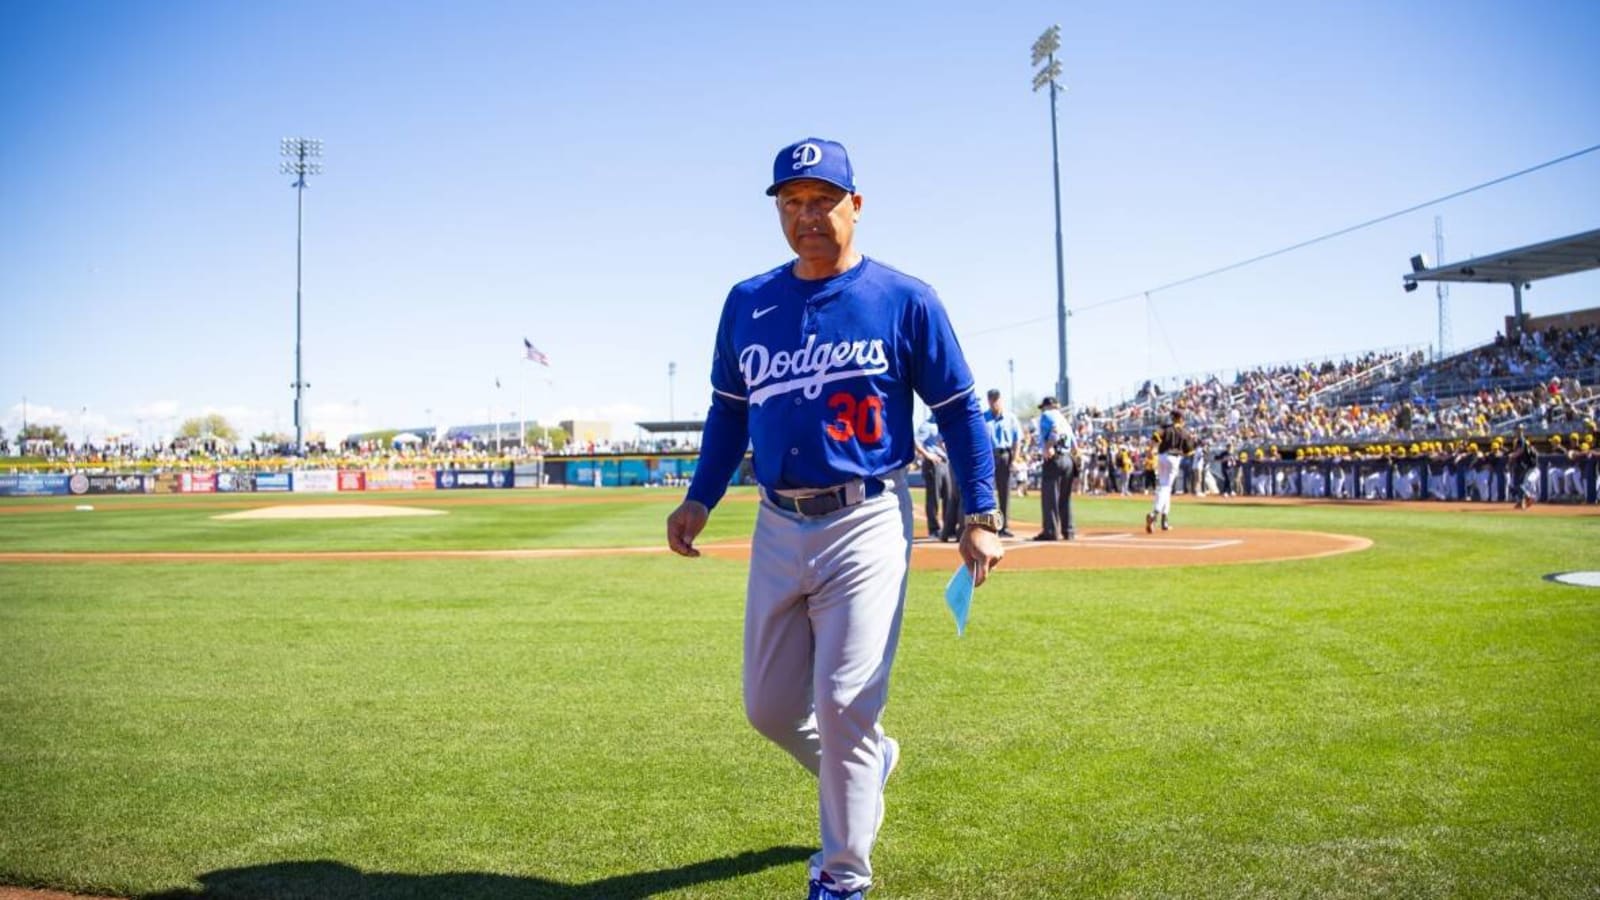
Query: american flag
529,351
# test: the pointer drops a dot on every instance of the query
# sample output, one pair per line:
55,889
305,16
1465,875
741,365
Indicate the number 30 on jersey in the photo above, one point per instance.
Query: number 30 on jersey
856,419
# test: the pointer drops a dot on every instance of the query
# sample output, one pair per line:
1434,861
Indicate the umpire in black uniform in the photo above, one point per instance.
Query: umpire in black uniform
1057,443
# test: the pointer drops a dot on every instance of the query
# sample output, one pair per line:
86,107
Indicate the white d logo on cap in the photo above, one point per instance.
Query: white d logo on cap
807,155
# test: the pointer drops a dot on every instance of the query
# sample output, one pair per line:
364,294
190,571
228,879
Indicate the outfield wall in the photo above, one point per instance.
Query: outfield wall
579,471
307,481
631,471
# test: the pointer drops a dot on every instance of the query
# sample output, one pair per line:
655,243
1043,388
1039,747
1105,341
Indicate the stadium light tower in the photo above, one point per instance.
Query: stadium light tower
301,159
1044,51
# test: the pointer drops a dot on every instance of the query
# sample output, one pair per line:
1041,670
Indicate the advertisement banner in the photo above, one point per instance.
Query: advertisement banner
451,479
34,485
388,480
400,480
116,484
272,481
166,483
314,481
236,482
352,480
197,482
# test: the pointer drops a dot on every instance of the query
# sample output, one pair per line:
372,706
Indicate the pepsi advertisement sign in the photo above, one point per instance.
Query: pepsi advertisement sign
455,479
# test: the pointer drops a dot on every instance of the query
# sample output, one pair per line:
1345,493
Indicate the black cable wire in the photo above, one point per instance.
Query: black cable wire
1297,246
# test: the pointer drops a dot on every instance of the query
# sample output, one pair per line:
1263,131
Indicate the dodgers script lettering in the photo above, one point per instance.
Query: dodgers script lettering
809,367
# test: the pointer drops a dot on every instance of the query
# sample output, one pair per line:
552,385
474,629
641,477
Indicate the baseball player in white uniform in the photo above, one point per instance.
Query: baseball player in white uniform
1261,478
1566,476
817,366
1312,479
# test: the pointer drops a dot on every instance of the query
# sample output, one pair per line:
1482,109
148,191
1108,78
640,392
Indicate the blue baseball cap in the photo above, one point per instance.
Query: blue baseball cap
813,158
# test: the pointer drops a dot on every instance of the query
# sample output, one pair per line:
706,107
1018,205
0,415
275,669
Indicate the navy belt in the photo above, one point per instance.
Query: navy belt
822,504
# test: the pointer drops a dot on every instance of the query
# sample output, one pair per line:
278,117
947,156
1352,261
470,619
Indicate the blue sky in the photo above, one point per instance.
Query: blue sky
590,176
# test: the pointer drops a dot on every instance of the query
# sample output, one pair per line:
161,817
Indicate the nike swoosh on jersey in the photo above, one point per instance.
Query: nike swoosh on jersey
761,312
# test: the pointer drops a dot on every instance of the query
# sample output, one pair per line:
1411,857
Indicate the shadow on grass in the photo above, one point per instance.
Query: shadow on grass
326,880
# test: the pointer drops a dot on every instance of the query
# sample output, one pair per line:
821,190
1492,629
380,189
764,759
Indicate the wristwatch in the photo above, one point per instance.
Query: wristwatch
989,521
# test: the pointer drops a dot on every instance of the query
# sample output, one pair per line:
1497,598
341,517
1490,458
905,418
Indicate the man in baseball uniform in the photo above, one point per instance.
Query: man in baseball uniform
1474,469
1523,460
817,365
1170,444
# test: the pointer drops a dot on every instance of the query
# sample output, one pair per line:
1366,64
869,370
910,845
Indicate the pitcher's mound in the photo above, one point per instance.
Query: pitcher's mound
330,511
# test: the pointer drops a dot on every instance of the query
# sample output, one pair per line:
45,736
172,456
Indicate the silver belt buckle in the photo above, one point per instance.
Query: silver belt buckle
854,491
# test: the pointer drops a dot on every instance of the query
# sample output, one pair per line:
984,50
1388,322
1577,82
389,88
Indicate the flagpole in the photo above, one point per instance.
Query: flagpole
496,418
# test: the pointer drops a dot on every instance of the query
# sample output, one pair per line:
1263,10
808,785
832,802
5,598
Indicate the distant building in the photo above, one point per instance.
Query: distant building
583,432
1578,318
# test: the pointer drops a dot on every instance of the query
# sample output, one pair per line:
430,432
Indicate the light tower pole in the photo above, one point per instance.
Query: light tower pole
1044,51
1441,290
301,160
672,373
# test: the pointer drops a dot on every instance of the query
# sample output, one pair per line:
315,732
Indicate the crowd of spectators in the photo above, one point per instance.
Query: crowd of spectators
1273,410
204,455
1290,406
198,454
1278,406
1533,356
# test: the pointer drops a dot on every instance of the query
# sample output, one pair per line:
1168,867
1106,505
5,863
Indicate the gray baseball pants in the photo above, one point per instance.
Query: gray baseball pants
822,620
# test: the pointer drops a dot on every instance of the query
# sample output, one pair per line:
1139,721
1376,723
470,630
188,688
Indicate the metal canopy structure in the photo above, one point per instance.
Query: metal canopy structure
679,426
1518,268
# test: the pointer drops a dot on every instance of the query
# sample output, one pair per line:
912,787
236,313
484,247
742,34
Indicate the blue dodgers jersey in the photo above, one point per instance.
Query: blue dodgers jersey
829,368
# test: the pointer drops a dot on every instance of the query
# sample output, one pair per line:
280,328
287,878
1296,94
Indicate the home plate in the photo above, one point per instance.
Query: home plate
1577,579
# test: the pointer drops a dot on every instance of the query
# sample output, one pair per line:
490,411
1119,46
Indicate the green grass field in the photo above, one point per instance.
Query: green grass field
1421,719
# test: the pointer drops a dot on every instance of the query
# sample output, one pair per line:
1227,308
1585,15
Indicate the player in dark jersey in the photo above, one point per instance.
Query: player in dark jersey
1170,444
1522,462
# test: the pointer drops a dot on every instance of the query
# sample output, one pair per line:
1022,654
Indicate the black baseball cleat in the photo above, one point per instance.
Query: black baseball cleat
1006,533
1149,523
1041,536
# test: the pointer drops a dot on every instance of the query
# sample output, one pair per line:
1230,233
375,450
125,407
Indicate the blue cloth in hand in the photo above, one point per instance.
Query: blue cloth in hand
958,596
